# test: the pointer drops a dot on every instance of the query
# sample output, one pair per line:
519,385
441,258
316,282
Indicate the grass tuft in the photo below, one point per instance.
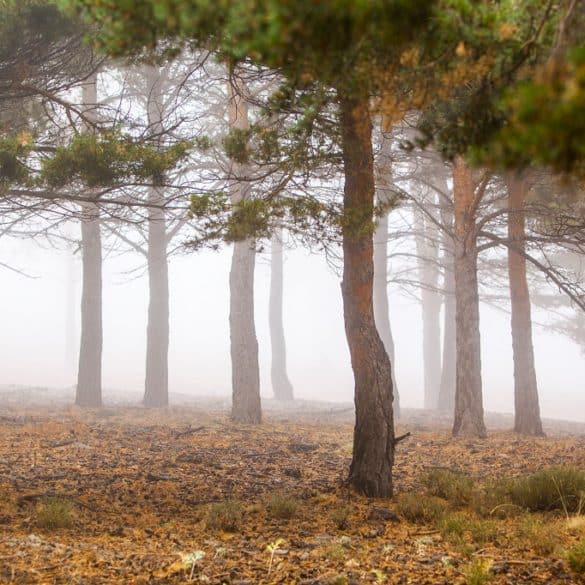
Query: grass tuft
282,506
55,513
421,509
226,516
452,486
576,557
478,572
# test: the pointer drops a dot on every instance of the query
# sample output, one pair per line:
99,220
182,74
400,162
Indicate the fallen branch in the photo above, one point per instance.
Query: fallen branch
401,438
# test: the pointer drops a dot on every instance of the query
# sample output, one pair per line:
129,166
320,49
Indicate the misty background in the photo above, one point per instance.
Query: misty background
40,323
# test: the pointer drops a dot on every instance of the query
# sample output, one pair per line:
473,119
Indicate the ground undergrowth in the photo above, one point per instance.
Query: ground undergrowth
129,496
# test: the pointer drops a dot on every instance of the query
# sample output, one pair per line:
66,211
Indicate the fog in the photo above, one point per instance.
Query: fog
39,307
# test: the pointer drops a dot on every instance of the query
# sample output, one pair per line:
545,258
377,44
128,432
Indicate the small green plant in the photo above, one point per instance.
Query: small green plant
453,527
55,513
452,486
576,557
191,560
421,509
226,516
478,572
273,548
556,488
539,534
340,517
338,580
282,506
483,531
334,551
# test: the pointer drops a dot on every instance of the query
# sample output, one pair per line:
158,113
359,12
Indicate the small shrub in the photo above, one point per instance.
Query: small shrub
478,572
453,527
340,517
483,531
449,485
556,488
55,513
539,534
576,557
421,509
493,500
282,506
226,516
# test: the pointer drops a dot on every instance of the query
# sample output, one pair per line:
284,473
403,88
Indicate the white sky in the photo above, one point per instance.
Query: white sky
33,347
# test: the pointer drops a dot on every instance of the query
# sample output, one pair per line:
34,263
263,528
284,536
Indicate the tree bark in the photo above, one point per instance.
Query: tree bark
246,405
89,375
381,304
373,445
527,410
156,384
428,256
448,369
468,392
281,386
383,178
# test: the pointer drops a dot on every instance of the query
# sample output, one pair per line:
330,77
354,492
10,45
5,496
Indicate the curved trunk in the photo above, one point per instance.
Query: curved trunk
468,392
89,375
527,410
281,385
373,445
156,384
246,406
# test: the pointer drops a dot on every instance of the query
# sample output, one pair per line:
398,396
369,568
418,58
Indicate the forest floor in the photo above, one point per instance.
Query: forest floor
183,495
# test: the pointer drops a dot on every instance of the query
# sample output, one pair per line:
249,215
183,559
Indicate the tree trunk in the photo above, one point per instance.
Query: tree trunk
381,305
468,393
281,385
383,180
527,410
156,385
89,376
448,369
428,256
246,406
373,445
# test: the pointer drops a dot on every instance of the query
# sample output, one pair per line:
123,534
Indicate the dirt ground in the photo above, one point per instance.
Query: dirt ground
141,484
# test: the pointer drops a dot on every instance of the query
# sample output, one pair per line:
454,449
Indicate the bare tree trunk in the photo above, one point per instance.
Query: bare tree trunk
71,318
373,445
246,406
448,369
381,305
281,385
156,385
468,394
89,374
383,180
428,256
527,410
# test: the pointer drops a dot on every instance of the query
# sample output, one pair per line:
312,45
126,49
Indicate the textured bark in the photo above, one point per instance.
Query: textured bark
428,256
281,385
381,304
156,383
448,369
468,393
246,406
89,375
527,410
373,445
